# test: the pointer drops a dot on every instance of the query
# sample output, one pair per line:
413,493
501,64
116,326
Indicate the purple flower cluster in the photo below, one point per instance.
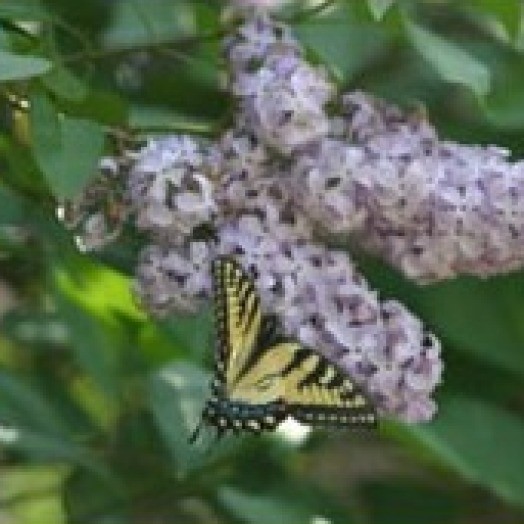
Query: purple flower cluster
433,209
285,177
281,95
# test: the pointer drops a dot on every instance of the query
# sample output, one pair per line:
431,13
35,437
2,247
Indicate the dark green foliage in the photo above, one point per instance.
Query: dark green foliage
97,401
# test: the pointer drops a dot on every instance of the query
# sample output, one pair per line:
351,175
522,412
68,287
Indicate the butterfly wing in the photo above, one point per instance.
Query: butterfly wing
238,319
261,377
311,389
320,393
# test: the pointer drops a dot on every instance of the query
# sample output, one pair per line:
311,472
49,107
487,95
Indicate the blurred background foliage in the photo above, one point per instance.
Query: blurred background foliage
97,400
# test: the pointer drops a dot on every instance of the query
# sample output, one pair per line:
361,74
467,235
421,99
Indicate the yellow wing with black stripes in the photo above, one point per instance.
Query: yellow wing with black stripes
262,378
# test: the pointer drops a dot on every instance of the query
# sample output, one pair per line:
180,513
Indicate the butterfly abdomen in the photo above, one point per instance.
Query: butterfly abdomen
240,416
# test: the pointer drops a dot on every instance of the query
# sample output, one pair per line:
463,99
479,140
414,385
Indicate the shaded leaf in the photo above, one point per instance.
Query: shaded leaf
483,318
67,149
19,67
92,345
23,10
177,394
102,504
11,207
398,500
38,446
157,21
482,442
21,404
450,61
292,503
65,84
253,509
343,42
22,480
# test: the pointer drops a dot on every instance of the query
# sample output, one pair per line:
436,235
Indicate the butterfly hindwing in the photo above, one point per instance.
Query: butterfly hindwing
322,394
262,377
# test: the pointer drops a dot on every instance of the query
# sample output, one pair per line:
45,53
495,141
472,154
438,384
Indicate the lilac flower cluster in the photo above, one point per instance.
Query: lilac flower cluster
280,94
434,209
270,189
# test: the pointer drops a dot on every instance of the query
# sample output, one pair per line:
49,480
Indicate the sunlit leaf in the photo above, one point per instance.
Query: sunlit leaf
94,403
101,291
32,494
379,7
19,67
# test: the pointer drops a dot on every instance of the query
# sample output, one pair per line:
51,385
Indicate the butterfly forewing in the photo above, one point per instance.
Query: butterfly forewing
238,317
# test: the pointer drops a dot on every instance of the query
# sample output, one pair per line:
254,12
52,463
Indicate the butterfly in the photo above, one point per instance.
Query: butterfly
262,377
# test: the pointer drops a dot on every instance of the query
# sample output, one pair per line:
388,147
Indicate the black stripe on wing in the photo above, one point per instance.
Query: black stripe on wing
237,316
326,395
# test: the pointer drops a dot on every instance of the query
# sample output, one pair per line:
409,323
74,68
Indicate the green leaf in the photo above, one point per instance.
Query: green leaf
508,13
21,404
32,494
504,107
92,345
450,61
343,43
399,500
161,119
22,10
254,509
38,446
379,8
105,107
482,318
19,67
89,501
11,207
65,84
482,442
66,149
137,23
101,291
23,480
177,394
